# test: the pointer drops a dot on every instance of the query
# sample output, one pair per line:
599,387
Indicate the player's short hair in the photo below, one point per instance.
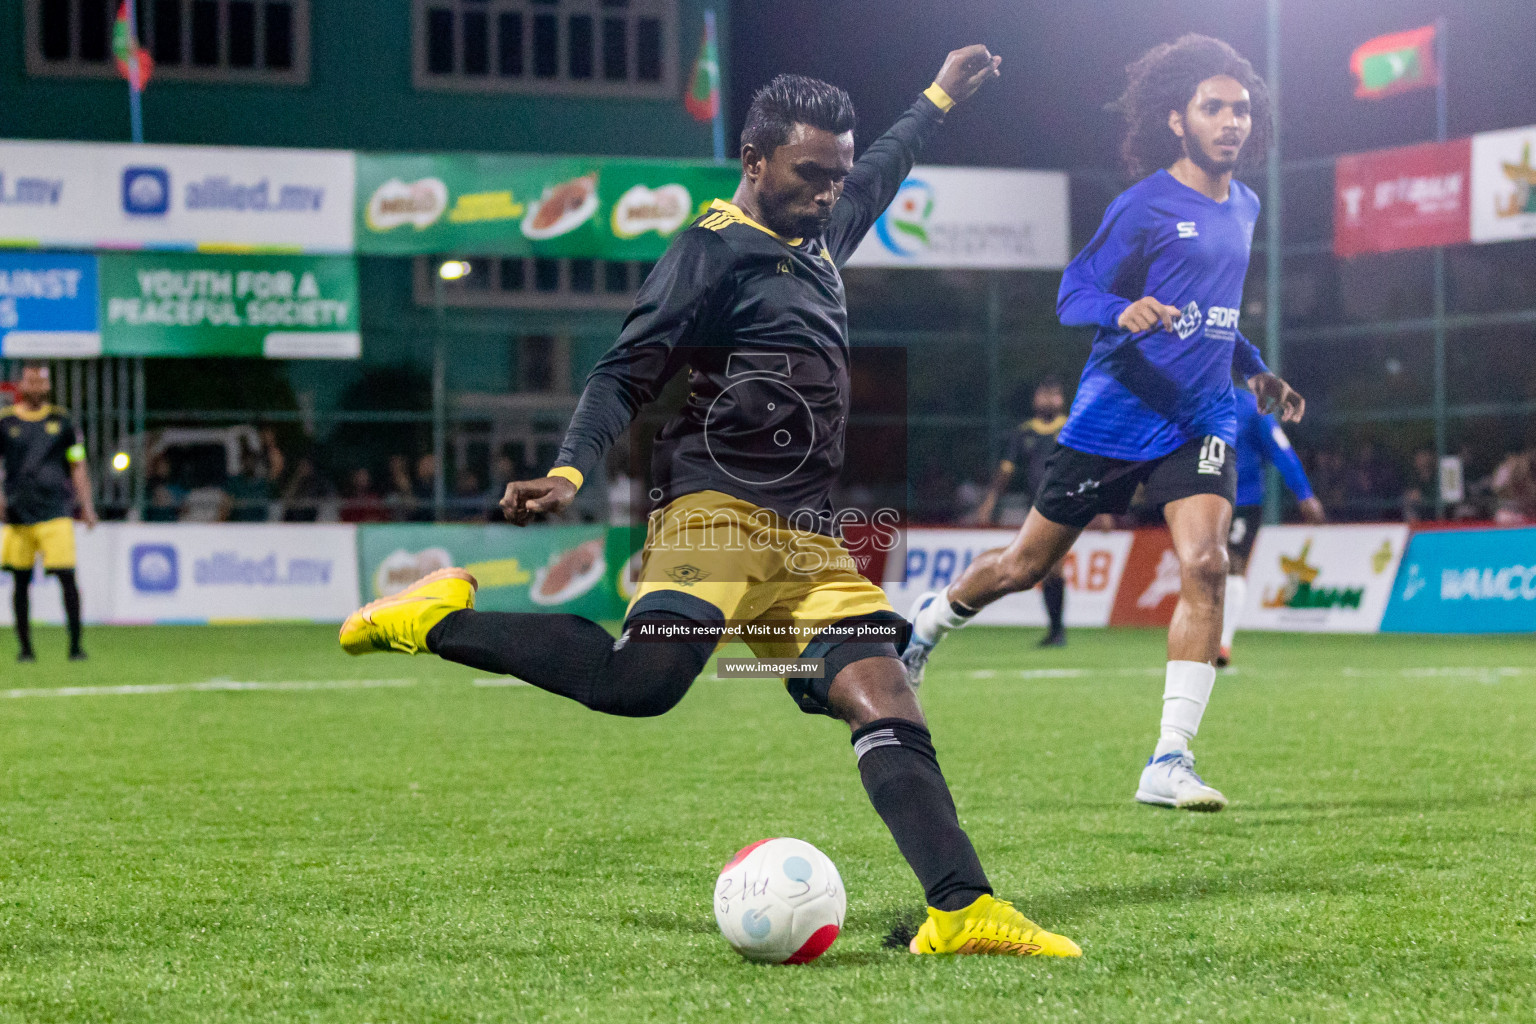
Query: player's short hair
1051,382
1165,78
789,100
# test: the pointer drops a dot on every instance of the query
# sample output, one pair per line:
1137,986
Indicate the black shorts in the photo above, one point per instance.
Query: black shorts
1079,486
1246,520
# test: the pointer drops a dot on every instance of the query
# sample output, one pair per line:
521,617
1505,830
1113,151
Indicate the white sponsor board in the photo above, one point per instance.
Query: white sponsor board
233,572
936,558
103,196
93,565
981,218
1322,579
1504,185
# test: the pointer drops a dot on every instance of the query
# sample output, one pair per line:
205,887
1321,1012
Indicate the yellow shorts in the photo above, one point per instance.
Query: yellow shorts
748,565
55,538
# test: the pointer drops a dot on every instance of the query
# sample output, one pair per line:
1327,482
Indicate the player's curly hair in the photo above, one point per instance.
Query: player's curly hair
789,100
1165,78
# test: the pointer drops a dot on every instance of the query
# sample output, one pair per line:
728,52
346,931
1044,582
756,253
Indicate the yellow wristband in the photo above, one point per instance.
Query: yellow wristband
939,97
570,473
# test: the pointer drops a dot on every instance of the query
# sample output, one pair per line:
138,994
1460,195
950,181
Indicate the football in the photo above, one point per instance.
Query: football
780,901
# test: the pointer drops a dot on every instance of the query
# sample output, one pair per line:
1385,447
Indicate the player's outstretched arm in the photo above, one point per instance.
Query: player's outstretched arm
879,172
682,296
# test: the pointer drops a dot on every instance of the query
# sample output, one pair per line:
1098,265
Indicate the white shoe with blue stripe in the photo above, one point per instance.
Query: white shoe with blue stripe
915,657
1170,781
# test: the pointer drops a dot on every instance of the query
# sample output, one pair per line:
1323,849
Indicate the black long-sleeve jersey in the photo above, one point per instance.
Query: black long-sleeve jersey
761,323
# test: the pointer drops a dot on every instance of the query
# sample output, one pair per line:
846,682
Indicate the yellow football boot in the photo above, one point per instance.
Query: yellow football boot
988,926
402,622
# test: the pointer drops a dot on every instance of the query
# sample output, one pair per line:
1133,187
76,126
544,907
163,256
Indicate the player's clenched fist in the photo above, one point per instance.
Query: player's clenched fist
527,498
1146,313
967,69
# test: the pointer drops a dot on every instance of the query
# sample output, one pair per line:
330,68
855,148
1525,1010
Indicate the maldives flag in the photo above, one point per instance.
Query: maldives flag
133,61
703,96
1390,64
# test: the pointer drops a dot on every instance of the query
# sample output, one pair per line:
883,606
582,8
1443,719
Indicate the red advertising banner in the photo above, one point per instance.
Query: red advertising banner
1149,588
1403,198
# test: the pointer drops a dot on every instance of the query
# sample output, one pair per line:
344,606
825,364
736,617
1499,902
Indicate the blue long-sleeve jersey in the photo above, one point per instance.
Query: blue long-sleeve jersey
1260,440
1145,394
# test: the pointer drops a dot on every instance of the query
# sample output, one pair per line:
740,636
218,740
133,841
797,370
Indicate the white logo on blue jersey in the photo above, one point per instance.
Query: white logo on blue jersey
1189,321
1187,229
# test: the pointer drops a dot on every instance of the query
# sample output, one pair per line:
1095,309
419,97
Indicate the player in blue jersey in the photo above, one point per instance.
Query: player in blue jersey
1162,280
1260,440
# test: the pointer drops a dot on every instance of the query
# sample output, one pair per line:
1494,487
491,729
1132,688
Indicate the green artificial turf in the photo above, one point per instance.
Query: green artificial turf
418,848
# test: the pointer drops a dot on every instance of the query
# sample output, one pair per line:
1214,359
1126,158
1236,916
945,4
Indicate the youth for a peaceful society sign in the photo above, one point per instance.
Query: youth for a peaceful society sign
184,304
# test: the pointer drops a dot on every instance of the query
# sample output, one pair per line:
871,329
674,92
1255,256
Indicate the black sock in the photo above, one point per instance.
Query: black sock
21,608
71,606
1054,590
576,658
902,776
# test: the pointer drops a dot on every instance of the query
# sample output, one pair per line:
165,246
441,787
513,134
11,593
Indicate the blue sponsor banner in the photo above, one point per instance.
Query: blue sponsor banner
48,305
1466,581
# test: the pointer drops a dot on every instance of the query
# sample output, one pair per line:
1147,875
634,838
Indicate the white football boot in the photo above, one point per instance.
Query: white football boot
915,657
1170,781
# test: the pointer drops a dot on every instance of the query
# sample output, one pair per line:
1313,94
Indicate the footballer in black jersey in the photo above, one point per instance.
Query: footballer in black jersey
750,300
1023,468
43,453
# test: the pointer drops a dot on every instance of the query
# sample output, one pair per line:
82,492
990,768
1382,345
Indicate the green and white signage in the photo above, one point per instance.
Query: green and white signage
190,304
501,205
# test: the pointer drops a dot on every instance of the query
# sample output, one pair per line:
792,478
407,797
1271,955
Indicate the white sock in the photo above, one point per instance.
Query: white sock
1186,692
937,619
1232,608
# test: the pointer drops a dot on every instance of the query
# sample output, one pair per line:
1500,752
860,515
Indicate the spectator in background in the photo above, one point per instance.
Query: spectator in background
360,502
400,500
1374,485
165,496
1423,488
1330,478
305,491
423,489
249,491
503,472
272,461
1514,490
469,501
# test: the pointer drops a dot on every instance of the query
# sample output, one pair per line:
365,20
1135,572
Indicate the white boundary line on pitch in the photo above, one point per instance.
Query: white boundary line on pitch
212,685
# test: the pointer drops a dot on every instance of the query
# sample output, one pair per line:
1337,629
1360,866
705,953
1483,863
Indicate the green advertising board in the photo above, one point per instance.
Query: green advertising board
576,569
508,205
192,304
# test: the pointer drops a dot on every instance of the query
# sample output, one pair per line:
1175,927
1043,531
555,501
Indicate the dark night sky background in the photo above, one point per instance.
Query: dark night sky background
1063,60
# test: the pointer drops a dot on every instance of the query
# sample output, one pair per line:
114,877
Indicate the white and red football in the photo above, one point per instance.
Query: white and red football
780,901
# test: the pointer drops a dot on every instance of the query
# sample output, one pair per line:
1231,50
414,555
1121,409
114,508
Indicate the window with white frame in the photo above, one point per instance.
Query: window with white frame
236,41
535,282
578,47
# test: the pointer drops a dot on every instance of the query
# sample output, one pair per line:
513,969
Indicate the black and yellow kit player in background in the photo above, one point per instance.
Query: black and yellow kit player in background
750,300
1028,448
45,475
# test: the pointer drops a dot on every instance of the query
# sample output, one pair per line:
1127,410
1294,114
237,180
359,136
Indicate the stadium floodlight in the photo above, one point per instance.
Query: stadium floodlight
453,270
120,462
